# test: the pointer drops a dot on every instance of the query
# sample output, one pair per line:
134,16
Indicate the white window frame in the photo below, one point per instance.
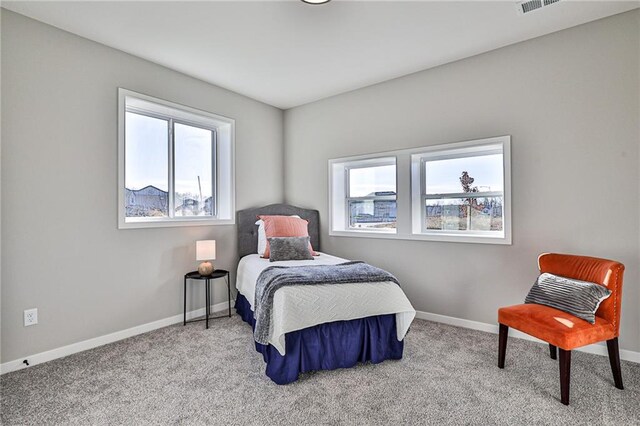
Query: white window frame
419,196
223,158
339,175
409,178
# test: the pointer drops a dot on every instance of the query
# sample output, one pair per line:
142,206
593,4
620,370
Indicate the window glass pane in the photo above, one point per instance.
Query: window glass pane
379,214
193,152
367,181
146,166
463,214
483,173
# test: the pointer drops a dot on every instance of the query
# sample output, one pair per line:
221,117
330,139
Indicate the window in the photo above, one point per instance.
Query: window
371,201
365,195
456,192
462,191
175,164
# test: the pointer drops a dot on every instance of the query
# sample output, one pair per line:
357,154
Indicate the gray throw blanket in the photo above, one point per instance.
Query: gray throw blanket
276,277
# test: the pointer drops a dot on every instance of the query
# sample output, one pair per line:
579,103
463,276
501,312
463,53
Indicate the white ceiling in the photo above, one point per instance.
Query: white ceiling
287,53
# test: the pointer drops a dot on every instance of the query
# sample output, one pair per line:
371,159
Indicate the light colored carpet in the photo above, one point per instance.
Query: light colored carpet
189,375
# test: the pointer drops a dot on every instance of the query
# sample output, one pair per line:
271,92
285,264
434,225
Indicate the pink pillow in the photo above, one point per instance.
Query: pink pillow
284,226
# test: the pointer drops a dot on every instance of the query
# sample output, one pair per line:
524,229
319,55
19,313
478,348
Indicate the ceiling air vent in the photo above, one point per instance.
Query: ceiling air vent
531,5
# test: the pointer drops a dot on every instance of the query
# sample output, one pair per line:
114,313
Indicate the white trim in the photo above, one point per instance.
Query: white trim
340,193
476,239
494,145
409,222
73,348
224,155
597,349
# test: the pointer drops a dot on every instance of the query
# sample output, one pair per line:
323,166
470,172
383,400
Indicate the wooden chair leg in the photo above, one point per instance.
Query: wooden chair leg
502,344
614,360
553,351
565,373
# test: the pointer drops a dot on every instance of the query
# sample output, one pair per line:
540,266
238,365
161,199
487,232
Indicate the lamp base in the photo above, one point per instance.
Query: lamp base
205,268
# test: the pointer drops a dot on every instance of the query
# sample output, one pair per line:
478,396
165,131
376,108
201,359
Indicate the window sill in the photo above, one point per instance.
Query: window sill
476,239
174,223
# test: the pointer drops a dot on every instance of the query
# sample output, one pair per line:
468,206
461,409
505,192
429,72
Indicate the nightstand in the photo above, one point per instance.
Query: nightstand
218,273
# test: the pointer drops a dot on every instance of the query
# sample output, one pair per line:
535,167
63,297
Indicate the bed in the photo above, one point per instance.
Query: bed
319,327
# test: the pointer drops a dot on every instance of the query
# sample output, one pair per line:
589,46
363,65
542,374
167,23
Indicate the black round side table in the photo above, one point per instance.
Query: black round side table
195,275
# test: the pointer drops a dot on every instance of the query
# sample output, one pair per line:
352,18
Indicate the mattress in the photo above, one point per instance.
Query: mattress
299,307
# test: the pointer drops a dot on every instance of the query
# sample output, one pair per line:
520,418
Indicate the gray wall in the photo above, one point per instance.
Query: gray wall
61,249
570,100
1,12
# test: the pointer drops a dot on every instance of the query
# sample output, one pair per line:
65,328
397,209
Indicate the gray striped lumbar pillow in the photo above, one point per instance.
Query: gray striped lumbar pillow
579,298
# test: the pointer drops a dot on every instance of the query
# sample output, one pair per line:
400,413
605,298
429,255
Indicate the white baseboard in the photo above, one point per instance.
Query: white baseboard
598,349
41,357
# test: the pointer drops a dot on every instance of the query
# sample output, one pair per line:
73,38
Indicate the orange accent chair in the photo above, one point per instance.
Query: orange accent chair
562,330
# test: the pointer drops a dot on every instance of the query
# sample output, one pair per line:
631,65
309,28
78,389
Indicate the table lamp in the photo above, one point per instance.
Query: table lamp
205,250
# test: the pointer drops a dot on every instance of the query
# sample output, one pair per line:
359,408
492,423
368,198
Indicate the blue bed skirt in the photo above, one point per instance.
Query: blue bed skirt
339,344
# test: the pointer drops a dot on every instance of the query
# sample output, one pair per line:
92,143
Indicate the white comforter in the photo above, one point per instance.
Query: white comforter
298,307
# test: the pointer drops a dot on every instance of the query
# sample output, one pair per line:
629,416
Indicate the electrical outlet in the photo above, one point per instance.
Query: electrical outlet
30,317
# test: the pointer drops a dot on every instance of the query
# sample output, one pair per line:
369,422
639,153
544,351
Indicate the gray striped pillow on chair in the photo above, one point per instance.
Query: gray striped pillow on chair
579,298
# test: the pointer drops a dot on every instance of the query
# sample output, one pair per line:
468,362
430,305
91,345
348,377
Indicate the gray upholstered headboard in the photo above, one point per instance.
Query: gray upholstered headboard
248,231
